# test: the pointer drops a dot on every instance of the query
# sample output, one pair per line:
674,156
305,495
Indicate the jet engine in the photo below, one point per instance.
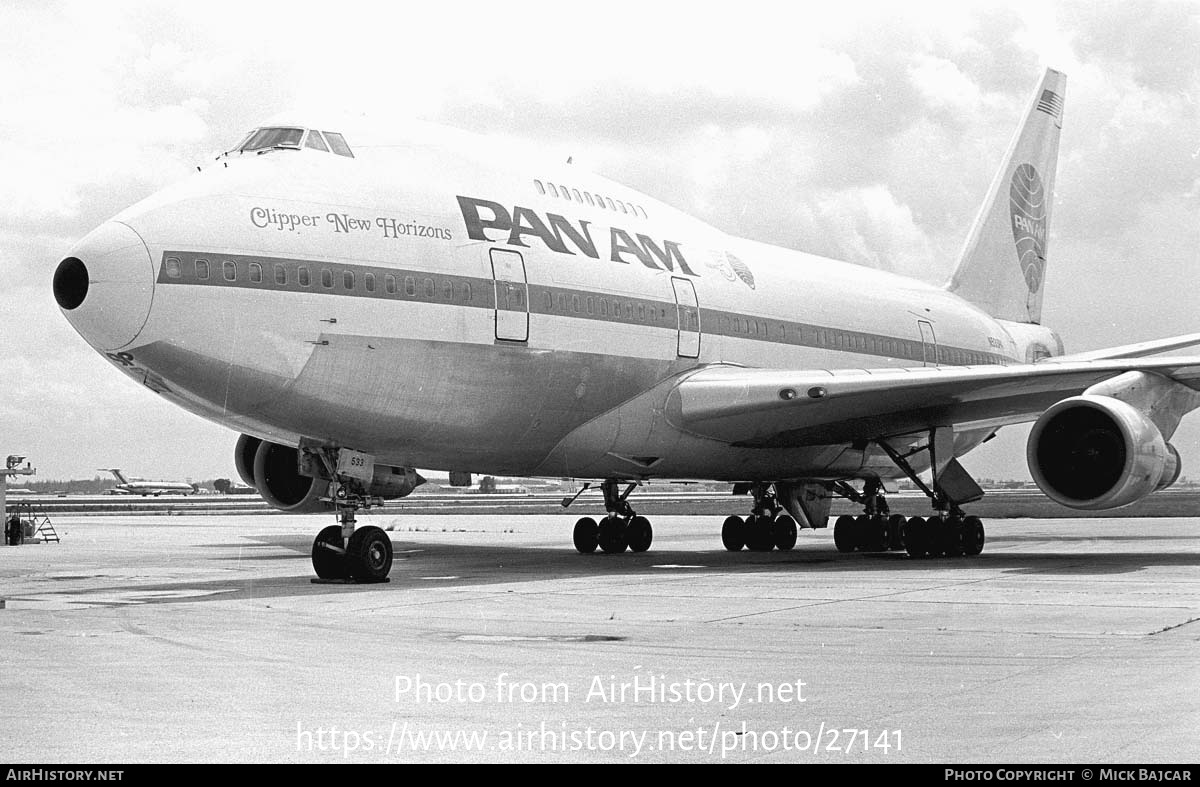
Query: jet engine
296,483
243,458
278,479
1097,452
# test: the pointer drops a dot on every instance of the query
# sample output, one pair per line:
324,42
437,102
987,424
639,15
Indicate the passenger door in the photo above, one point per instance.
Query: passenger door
512,295
929,348
687,311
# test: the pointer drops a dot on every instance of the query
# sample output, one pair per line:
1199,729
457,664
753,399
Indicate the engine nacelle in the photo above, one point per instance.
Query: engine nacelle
1173,469
1096,452
243,458
278,479
295,482
392,482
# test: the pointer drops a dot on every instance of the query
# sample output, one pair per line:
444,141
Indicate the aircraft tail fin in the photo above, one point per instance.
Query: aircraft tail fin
1003,263
116,471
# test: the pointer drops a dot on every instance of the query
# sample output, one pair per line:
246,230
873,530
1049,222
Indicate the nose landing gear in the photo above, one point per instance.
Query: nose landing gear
341,553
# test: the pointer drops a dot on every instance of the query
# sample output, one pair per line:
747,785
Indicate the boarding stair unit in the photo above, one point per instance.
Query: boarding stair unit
36,524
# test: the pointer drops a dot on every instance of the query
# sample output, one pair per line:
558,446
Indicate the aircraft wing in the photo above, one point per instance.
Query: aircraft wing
780,408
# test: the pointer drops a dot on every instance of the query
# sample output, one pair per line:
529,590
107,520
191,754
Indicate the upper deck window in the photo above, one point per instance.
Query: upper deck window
337,144
268,138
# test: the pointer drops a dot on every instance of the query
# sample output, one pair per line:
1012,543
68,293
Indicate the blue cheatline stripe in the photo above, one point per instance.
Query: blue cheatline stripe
278,274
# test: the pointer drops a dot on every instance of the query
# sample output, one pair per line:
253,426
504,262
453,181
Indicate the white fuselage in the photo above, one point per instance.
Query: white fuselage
137,487
440,310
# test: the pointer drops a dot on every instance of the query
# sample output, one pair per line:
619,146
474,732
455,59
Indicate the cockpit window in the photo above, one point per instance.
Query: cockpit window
338,143
267,138
315,141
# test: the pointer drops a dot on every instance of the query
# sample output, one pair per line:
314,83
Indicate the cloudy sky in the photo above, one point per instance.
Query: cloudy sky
865,132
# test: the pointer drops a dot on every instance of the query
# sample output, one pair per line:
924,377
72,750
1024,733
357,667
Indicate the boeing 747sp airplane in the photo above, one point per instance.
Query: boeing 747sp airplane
358,312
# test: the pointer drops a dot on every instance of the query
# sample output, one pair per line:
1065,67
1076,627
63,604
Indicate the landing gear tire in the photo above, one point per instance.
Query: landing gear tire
872,532
369,555
328,556
972,536
784,532
733,533
952,536
862,532
935,544
845,533
611,535
639,534
585,536
895,526
916,537
759,535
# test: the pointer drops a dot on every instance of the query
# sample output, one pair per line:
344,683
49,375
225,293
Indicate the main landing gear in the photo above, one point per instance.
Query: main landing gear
765,529
950,533
876,530
621,529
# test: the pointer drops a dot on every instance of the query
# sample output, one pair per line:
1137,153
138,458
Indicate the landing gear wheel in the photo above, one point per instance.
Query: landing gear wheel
952,535
872,534
972,536
935,543
916,536
611,535
639,534
585,535
369,555
733,533
759,535
895,527
845,534
784,532
328,556
939,536
862,532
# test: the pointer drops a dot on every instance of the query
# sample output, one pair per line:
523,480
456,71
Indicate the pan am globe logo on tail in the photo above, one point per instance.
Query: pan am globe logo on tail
1027,204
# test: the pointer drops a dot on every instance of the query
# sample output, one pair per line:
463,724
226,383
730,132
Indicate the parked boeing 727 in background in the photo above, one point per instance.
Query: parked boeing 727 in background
358,312
143,487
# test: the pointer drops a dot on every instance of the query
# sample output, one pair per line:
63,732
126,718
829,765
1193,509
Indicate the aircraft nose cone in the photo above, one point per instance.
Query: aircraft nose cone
105,286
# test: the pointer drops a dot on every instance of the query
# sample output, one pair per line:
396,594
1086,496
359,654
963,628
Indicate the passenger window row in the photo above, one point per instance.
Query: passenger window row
848,341
587,198
618,309
604,306
414,287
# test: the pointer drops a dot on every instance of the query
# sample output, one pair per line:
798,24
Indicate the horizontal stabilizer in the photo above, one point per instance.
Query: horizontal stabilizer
1139,350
